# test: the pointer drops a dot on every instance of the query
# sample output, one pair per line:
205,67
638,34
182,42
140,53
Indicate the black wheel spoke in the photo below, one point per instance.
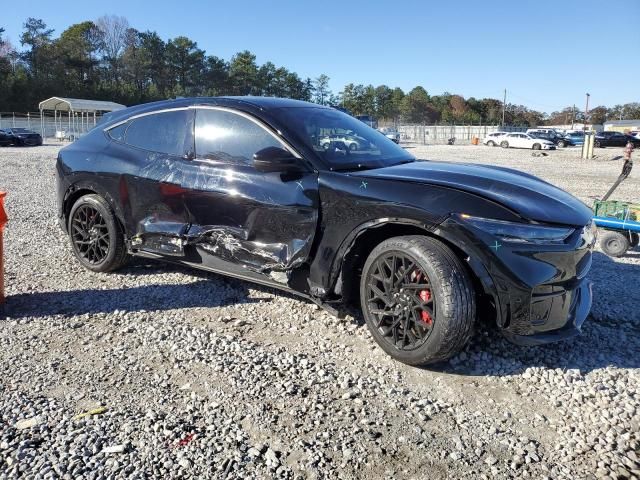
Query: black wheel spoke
90,234
400,300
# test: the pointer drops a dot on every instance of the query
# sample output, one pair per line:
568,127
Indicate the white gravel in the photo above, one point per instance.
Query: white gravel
206,377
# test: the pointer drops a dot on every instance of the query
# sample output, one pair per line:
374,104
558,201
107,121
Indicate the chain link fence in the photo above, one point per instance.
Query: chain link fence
61,126
440,134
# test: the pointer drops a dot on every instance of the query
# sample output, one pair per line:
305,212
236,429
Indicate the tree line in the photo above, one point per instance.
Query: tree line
107,59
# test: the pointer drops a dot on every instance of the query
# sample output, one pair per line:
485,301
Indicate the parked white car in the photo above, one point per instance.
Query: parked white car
391,133
494,138
522,140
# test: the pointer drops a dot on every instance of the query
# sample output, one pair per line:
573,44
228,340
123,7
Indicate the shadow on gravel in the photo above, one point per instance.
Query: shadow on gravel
210,290
202,293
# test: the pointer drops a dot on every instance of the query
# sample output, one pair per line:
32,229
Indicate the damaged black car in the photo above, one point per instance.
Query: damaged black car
308,199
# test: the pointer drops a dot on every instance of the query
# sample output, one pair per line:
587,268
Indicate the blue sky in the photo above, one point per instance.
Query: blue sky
547,54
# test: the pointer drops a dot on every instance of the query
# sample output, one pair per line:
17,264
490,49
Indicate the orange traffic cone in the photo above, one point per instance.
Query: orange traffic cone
3,221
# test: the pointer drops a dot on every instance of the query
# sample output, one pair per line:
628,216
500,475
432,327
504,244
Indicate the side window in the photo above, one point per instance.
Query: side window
166,132
229,137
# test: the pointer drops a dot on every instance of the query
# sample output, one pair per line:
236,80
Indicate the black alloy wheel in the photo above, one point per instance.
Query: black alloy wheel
417,299
90,234
399,296
96,236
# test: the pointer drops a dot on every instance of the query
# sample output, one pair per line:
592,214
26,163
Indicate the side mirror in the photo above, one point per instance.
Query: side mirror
275,159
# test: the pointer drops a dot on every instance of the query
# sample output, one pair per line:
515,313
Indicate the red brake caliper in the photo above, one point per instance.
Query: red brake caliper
425,296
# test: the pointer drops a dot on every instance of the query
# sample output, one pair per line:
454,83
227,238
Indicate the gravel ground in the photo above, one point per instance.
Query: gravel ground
162,372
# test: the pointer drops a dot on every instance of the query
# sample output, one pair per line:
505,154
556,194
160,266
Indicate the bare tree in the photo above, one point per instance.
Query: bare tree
321,89
113,32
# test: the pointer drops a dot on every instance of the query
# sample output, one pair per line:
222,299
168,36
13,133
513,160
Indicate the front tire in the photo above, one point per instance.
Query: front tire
562,144
417,299
504,144
614,244
635,240
537,146
96,236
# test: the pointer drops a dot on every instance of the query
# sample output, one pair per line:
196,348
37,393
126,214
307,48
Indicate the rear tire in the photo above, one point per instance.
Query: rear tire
614,244
504,144
96,236
428,294
491,143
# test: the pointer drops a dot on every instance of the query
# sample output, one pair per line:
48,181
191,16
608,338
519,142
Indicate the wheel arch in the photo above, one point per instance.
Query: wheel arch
79,190
360,243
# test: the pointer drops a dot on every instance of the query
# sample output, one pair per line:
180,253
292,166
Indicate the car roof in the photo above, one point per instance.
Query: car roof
242,103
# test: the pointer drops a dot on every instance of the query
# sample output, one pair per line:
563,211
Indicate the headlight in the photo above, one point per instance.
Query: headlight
519,232
590,232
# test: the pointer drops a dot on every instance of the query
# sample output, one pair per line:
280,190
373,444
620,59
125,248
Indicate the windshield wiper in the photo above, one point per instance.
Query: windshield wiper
353,168
402,162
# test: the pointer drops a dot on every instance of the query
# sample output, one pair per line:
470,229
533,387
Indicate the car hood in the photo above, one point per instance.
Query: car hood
529,196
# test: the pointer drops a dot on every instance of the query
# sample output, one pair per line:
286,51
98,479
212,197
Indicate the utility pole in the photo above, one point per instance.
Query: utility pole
586,113
504,105
573,115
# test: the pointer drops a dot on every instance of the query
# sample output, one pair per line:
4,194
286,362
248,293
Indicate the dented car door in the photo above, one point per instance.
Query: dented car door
263,222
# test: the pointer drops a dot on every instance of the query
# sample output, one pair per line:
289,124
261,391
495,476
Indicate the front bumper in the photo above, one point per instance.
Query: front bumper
548,147
569,308
537,293
30,141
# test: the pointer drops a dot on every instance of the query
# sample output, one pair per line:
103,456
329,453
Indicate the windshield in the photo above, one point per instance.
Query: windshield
19,130
342,141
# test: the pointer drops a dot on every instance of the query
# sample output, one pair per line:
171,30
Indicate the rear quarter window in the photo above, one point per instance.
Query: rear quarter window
167,132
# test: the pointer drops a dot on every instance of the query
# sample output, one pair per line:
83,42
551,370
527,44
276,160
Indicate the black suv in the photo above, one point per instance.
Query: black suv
245,187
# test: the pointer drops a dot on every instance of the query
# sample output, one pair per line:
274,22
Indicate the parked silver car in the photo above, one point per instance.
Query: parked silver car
351,141
391,133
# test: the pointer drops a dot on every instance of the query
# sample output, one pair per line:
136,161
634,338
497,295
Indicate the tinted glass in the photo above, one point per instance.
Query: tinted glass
229,137
166,132
118,132
342,141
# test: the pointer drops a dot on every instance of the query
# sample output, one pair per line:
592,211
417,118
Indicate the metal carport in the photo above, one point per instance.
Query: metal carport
79,113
